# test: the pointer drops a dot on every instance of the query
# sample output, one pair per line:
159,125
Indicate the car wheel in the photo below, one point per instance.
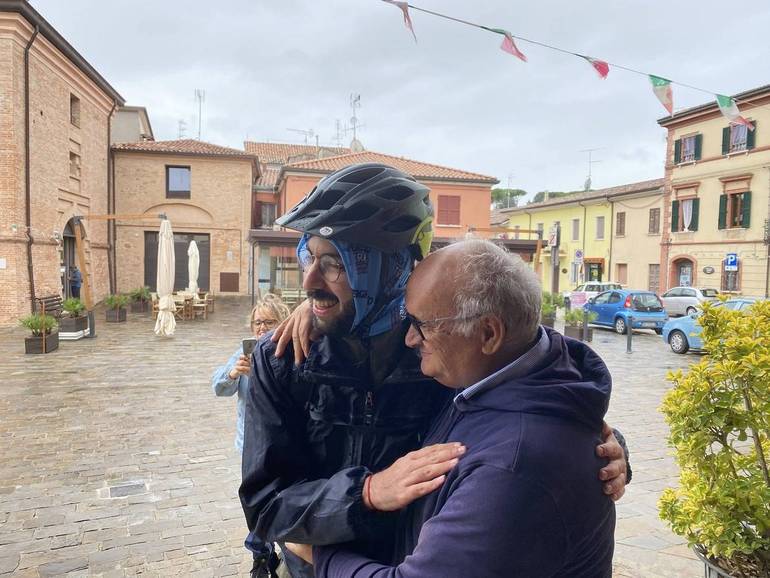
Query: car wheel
690,311
659,331
678,342
620,325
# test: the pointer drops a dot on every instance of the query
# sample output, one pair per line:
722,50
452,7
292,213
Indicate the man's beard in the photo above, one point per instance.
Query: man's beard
339,325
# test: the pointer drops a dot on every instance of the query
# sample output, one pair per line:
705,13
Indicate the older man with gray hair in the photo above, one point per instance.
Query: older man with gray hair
523,499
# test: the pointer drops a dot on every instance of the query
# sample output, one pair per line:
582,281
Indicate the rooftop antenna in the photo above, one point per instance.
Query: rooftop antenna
200,97
587,185
355,102
308,134
181,128
339,131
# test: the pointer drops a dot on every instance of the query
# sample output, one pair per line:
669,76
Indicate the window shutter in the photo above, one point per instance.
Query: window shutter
675,216
677,151
751,137
725,140
698,146
746,217
695,209
722,211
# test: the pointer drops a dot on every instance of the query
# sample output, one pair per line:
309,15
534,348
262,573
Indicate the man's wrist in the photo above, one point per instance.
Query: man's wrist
230,375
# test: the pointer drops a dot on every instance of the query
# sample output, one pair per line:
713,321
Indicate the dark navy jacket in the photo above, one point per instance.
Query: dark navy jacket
312,434
524,501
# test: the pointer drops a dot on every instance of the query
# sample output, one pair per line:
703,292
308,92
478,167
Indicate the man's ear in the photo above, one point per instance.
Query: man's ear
492,334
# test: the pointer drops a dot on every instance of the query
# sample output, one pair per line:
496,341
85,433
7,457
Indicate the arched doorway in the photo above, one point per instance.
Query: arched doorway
684,271
67,257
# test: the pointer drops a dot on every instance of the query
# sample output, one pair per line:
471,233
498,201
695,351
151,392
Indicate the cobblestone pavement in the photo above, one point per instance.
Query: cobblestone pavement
117,460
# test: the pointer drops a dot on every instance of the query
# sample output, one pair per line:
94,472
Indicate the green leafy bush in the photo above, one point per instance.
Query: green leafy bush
140,294
554,299
73,306
574,317
547,310
719,415
116,301
38,324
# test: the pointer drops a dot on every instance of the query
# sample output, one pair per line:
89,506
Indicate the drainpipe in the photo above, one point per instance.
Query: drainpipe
27,179
111,262
585,215
612,221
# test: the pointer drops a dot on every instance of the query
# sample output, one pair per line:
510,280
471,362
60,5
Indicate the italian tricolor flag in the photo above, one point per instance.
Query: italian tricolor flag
662,89
730,111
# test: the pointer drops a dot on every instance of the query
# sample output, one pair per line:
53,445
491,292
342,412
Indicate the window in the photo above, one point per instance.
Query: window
575,229
268,215
448,210
600,227
540,228
602,298
74,165
653,277
574,273
684,215
654,226
688,148
738,138
735,210
620,224
177,182
731,280
516,230
74,110
621,273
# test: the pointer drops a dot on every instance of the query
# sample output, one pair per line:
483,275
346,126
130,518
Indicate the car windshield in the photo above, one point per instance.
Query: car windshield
646,302
709,292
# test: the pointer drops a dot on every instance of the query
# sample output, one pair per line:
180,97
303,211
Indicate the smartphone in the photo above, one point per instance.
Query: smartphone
248,345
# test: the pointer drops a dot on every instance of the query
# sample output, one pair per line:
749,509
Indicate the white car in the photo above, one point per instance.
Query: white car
686,300
580,295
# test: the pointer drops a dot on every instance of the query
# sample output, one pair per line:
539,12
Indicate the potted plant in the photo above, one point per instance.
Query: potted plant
140,298
573,323
551,302
116,307
44,337
719,416
73,323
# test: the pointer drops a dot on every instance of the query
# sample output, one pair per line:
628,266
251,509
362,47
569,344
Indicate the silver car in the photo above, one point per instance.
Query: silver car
686,300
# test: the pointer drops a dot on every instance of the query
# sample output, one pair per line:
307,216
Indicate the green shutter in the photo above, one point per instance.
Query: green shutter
746,217
751,137
694,220
677,151
725,140
675,216
698,146
722,211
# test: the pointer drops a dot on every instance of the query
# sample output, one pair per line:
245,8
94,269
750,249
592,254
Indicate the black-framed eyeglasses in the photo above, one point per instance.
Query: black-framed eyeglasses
430,323
331,269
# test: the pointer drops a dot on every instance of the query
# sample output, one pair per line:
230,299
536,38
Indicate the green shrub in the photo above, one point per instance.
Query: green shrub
554,299
719,416
116,301
73,306
140,294
38,324
547,310
574,317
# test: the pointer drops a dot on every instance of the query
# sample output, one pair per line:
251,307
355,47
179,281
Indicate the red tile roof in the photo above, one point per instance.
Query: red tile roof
272,152
419,170
268,179
183,146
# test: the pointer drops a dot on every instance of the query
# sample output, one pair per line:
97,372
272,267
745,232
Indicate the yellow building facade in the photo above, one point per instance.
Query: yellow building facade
605,235
717,191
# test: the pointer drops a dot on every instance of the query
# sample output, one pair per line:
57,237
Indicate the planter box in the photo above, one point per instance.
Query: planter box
577,332
711,570
116,315
73,324
35,344
139,306
548,321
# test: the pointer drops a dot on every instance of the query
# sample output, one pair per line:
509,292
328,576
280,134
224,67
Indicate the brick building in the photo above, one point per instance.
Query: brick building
54,160
206,192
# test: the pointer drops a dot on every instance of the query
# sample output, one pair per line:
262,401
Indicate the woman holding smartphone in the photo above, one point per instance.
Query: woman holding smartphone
233,377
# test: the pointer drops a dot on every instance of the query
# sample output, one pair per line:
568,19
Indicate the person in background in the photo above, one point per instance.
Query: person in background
233,377
76,280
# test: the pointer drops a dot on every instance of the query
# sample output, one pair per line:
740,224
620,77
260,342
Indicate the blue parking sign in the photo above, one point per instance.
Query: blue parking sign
731,262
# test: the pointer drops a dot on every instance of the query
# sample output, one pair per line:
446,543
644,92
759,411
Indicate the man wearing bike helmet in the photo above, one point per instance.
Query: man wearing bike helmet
316,433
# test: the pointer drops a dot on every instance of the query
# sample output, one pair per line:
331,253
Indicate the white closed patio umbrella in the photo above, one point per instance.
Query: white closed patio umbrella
166,323
193,265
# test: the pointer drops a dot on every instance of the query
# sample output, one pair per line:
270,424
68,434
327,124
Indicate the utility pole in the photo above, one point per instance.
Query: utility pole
587,185
200,96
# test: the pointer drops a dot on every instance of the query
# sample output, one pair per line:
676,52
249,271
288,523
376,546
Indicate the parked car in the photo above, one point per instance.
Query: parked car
580,295
624,307
683,333
686,300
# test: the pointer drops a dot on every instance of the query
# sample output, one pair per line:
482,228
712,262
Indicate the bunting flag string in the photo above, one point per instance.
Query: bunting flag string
662,87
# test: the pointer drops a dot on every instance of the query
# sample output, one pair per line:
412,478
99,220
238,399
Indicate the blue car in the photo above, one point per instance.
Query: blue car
683,333
620,308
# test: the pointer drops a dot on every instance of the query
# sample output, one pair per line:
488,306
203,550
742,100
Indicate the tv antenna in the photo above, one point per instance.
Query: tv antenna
181,128
591,162
308,134
200,97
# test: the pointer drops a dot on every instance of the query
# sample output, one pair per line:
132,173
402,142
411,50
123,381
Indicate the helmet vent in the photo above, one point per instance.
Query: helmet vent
328,199
362,175
395,193
359,212
401,224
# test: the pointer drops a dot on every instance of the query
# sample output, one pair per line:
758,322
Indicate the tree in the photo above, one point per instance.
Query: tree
504,198
540,197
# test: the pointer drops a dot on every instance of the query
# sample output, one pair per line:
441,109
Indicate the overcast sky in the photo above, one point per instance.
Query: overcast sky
453,98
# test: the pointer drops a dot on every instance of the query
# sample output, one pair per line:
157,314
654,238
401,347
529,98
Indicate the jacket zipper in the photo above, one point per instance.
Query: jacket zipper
369,408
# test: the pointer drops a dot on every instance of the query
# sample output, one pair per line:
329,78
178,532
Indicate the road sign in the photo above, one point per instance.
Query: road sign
731,262
553,236
578,256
